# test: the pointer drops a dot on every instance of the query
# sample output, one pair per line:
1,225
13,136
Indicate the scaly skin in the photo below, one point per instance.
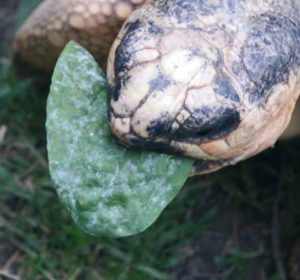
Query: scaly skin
92,23
216,81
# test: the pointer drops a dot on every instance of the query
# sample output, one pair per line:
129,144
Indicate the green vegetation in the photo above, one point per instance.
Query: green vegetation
239,223
109,189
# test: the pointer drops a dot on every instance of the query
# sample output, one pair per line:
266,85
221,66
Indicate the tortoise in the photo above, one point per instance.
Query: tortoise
216,80
213,80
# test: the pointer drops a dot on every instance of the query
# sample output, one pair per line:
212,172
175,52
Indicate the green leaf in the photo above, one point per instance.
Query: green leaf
108,189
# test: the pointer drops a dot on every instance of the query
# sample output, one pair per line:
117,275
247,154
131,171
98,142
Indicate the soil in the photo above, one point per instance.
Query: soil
233,232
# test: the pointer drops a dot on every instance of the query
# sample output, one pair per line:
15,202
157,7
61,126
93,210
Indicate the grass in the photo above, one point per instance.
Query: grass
239,223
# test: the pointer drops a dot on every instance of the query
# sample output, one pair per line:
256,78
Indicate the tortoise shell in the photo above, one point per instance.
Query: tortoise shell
92,23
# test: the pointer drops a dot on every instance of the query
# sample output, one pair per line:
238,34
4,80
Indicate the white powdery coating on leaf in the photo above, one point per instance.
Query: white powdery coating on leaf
108,189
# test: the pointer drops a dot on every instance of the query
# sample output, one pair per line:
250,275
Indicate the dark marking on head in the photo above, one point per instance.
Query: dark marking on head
154,29
120,83
159,146
207,124
226,89
182,10
271,52
115,90
160,127
123,58
159,83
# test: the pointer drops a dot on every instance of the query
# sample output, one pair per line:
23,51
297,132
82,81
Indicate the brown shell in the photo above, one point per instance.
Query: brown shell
92,23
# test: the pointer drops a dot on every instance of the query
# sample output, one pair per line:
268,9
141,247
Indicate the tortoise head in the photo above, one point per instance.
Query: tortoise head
214,80
211,81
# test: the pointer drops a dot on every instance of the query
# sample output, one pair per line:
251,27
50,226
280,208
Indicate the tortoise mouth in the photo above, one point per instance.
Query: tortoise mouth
161,146
167,134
